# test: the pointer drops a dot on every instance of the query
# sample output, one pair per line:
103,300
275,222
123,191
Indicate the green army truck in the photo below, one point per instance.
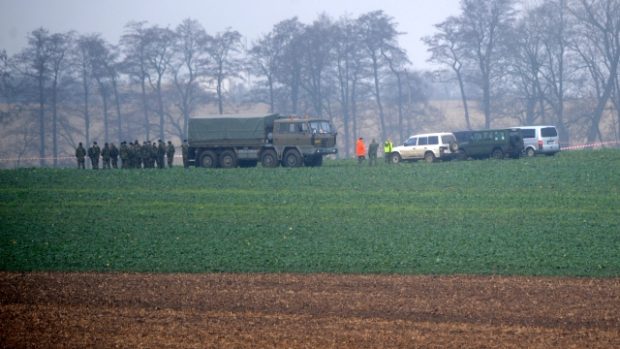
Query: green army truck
229,141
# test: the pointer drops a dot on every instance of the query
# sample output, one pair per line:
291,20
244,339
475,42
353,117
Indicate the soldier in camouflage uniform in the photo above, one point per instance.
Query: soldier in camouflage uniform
170,154
185,153
105,155
124,154
80,154
93,153
138,154
153,153
114,155
161,152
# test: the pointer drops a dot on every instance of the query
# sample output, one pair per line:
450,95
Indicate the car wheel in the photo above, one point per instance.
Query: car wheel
429,157
497,154
395,158
530,152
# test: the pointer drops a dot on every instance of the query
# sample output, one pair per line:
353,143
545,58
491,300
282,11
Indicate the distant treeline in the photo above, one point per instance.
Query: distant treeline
555,62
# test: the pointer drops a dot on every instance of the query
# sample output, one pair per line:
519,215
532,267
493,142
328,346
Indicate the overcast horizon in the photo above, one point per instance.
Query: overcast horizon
250,18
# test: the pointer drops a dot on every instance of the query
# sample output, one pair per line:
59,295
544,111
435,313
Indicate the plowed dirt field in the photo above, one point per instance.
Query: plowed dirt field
81,310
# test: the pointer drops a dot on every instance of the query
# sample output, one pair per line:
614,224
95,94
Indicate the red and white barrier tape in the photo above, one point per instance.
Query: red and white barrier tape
591,145
570,147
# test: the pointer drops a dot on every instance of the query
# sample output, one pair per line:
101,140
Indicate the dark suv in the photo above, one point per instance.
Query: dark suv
489,143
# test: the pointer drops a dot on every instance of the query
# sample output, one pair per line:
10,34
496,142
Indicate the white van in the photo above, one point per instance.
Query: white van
540,140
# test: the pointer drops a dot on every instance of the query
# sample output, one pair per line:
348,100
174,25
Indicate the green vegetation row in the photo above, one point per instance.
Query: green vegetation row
540,216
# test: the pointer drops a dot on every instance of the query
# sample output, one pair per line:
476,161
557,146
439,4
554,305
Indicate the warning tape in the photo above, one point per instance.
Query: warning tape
591,145
570,147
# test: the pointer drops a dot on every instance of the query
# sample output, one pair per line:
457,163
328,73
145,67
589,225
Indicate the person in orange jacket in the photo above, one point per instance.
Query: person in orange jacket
360,150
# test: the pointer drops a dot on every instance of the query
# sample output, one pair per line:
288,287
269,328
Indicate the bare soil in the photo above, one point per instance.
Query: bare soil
81,310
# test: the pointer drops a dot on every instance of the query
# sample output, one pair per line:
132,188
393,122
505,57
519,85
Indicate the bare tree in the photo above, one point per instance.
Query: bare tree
317,42
159,52
34,62
599,47
59,48
134,46
224,51
379,34
484,26
189,64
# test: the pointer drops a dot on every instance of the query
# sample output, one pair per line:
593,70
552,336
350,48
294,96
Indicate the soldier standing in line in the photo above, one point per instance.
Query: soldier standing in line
93,153
372,153
153,154
105,155
170,154
80,154
124,154
161,152
114,155
146,155
185,152
138,154
132,155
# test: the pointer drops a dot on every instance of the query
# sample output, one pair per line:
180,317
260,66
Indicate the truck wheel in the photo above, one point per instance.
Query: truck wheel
269,158
530,152
228,159
208,159
292,158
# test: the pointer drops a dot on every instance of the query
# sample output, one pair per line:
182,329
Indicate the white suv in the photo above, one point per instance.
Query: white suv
428,146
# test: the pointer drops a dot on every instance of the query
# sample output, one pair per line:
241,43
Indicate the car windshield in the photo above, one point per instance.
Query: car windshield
320,127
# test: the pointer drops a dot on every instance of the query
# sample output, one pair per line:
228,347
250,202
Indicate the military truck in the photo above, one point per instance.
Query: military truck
229,141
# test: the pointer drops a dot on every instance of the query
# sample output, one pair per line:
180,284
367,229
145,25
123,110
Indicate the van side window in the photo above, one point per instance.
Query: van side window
423,141
433,140
528,133
548,132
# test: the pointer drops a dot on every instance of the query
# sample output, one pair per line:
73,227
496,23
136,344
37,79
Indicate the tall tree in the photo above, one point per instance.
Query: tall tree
224,51
159,52
288,60
189,64
599,47
59,48
35,61
447,48
317,42
263,62
379,34
485,26
134,46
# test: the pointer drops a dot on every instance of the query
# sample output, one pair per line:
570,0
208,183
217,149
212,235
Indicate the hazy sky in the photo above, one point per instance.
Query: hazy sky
250,17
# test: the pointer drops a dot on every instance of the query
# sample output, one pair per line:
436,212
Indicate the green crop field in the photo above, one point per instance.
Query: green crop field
541,216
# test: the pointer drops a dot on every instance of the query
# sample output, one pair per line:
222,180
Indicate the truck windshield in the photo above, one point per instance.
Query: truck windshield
320,127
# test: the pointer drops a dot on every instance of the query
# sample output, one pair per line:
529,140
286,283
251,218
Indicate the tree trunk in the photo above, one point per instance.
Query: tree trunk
375,70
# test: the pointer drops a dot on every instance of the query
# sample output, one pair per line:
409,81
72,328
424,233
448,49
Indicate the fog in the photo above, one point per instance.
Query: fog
251,18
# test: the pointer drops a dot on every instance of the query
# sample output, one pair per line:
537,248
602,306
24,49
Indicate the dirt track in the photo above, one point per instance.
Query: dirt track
306,311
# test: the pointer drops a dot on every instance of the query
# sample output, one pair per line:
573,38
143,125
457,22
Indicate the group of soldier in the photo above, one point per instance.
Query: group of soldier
132,155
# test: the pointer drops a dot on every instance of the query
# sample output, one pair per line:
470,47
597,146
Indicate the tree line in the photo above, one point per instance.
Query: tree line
553,62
